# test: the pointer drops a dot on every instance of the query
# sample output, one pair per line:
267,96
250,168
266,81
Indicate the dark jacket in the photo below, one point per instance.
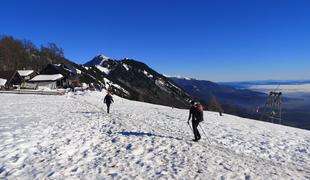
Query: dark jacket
192,113
108,99
195,114
199,115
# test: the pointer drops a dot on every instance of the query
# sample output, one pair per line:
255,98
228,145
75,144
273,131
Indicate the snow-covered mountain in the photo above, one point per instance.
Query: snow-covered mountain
137,81
76,139
97,60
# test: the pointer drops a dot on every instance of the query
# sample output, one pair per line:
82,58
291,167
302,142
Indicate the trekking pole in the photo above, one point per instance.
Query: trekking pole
189,125
205,134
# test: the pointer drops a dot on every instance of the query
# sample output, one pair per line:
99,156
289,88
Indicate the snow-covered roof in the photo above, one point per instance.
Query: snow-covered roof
25,72
44,77
2,82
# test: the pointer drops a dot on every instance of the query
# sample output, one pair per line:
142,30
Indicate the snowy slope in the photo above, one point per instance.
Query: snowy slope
58,137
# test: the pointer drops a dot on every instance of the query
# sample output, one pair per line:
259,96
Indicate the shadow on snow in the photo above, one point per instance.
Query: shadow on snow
89,112
141,134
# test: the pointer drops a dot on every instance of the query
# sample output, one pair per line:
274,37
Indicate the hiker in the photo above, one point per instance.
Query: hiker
108,100
197,117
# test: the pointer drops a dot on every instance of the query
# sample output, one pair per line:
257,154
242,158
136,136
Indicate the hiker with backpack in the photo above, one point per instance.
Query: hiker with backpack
108,100
196,114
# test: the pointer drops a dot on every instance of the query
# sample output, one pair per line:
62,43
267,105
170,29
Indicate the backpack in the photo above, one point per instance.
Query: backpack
199,110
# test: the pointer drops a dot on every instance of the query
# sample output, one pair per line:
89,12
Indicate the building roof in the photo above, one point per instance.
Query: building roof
45,77
2,82
25,72
7,74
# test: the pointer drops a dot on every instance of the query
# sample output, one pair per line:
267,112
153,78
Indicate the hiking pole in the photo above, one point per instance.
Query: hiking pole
189,125
205,134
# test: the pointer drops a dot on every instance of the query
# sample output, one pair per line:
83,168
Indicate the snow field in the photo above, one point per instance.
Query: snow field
72,137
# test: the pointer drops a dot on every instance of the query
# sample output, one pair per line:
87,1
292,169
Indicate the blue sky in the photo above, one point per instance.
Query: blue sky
219,40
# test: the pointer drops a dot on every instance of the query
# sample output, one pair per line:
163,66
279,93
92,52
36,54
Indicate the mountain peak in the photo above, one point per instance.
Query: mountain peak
98,60
102,57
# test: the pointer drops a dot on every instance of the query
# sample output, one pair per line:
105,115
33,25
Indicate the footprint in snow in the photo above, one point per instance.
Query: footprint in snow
50,174
75,169
114,140
128,147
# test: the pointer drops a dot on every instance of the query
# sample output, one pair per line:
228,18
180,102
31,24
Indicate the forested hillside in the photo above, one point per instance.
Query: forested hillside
23,54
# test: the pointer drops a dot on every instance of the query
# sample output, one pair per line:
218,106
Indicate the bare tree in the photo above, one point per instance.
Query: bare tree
215,105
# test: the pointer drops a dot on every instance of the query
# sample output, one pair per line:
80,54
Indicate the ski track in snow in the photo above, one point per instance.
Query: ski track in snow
72,137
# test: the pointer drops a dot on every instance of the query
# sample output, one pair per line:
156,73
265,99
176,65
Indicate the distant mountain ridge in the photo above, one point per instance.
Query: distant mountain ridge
246,84
227,95
243,102
233,101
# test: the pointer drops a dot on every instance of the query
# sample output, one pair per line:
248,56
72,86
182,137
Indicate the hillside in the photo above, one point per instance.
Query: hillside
76,139
137,81
227,95
23,54
233,101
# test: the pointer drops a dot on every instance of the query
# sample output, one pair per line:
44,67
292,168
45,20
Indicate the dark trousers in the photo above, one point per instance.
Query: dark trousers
195,129
108,107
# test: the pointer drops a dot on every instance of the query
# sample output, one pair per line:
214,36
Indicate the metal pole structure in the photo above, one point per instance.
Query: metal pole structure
274,106
280,107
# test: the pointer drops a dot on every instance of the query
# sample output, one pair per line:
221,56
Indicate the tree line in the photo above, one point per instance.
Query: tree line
23,54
